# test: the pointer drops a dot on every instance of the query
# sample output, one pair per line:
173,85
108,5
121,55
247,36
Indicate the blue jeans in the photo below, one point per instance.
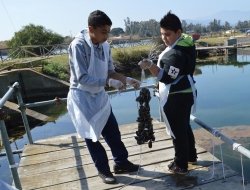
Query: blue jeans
112,136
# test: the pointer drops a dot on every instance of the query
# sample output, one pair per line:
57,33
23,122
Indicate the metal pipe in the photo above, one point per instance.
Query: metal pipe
236,146
130,89
23,113
8,94
44,103
49,102
12,164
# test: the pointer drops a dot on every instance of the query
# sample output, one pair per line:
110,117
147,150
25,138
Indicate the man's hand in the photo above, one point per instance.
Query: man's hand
133,82
116,84
145,64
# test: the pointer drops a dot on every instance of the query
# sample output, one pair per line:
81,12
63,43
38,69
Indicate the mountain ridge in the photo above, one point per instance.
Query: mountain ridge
231,16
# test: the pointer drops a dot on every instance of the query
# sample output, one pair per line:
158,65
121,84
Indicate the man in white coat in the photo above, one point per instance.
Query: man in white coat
91,69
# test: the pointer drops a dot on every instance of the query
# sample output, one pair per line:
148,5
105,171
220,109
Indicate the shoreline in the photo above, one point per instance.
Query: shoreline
238,133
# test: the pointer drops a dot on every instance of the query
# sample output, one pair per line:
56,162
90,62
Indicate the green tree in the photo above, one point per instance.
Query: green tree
184,25
32,35
243,25
215,26
148,28
116,31
227,26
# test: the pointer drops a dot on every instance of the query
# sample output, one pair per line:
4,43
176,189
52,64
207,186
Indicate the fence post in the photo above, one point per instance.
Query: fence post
23,113
13,166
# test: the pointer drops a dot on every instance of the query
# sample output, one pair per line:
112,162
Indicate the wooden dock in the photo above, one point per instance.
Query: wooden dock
63,163
220,50
222,47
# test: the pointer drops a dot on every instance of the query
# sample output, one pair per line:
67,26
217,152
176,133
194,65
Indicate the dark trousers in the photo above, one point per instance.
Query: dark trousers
112,136
177,110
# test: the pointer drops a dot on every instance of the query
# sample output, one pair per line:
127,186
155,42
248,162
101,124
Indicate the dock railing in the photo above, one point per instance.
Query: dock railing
236,146
15,90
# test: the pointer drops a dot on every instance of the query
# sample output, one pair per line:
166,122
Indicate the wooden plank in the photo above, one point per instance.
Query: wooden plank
41,147
149,173
30,164
89,171
186,182
29,112
132,127
71,141
71,152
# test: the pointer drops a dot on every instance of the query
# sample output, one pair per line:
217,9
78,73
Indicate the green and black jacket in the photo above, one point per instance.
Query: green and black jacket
183,57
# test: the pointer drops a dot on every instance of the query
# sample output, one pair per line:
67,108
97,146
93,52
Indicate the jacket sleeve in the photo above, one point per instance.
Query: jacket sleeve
172,64
79,65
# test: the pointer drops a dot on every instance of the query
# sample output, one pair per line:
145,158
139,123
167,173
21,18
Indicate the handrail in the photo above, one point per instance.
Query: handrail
48,102
5,138
8,94
236,146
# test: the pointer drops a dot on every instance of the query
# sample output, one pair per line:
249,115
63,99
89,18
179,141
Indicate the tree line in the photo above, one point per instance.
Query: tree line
151,27
39,35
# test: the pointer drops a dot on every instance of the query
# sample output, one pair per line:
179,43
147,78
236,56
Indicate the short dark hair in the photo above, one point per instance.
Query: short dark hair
171,22
98,18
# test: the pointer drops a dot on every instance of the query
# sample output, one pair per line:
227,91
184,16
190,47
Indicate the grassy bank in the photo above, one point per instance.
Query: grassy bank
125,60
57,66
212,41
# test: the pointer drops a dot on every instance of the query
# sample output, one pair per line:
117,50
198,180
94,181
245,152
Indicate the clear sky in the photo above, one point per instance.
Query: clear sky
68,17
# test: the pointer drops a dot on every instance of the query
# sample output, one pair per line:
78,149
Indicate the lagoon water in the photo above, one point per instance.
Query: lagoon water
223,101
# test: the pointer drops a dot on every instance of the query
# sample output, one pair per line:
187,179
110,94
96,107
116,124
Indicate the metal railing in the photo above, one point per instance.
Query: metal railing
15,89
236,146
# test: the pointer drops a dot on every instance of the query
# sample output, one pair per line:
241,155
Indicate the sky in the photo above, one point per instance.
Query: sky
68,17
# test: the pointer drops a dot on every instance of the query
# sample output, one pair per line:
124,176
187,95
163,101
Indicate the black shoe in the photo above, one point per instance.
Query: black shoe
107,178
126,168
176,169
193,161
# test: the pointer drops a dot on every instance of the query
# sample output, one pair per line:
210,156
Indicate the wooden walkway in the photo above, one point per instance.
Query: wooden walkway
222,47
63,163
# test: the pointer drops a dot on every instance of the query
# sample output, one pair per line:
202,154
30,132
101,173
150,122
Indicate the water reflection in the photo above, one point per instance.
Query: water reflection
14,123
239,59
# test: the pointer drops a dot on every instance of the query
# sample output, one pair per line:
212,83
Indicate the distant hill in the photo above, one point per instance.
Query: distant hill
232,17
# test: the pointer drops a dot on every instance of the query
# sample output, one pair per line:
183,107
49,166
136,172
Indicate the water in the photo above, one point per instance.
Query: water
223,95
223,101
4,57
143,76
